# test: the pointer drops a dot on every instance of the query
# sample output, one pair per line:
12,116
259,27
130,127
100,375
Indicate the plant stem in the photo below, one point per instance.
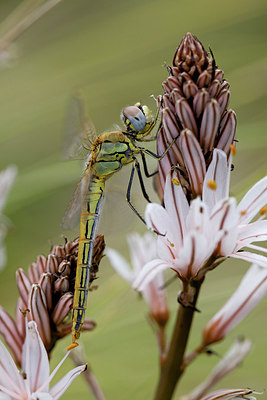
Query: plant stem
193,355
172,367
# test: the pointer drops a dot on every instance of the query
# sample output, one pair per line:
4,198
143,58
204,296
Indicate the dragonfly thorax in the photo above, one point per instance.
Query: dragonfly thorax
138,120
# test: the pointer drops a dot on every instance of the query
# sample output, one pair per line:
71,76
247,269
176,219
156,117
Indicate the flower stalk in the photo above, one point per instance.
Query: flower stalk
172,369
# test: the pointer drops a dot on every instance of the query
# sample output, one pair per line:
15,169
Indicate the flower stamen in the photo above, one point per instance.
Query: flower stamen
170,243
10,393
233,149
212,184
175,181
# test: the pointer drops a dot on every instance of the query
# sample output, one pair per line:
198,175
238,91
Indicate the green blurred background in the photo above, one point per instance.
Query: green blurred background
115,51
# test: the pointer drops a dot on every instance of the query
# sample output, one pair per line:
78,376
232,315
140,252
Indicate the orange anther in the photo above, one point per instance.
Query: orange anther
212,184
175,181
233,149
170,243
263,210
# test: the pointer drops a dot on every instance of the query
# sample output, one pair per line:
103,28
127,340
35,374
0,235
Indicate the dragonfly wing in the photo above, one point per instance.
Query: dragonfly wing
80,132
73,211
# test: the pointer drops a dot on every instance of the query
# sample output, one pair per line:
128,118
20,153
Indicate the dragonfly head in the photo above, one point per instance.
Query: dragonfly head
138,120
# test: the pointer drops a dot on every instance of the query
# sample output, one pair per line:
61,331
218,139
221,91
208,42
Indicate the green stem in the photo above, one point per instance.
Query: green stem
172,368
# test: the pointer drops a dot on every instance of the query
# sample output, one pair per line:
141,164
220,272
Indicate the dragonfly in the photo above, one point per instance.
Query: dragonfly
107,154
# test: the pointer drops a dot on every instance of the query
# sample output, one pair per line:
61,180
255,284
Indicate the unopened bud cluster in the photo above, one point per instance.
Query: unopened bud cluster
46,297
193,107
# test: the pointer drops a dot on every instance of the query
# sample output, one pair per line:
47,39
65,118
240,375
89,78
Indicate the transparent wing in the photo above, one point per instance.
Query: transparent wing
73,211
80,132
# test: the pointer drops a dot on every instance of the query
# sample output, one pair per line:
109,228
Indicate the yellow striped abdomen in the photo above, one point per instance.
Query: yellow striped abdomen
90,214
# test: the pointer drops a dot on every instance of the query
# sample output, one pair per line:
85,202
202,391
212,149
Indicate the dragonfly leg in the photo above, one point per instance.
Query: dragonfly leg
147,174
152,126
137,167
156,156
128,196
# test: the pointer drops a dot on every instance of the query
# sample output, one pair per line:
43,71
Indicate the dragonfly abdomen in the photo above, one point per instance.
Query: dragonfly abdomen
91,210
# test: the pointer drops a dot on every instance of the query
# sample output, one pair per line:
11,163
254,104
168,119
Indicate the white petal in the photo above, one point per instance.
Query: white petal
147,274
4,396
158,282
254,232
59,388
254,229
218,172
9,374
228,394
185,262
228,241
253,201
53,373
177,206
198,219
167,251
252,278
120,264
197,249
257,248
41,396
251,257
251,290
34,358
142,250
225,217
6,181
232,359
157,218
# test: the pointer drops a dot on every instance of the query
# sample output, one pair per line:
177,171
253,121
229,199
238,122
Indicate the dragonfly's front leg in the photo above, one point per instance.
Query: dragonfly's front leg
152,138
156,156
151,127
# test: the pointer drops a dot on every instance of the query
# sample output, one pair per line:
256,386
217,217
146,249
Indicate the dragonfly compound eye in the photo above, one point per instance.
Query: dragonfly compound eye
134,119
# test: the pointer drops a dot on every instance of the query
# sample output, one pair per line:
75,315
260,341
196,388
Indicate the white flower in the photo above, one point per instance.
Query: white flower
33,382
228,394
251,290
235,220
190,234
142,250
7,178
231,360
